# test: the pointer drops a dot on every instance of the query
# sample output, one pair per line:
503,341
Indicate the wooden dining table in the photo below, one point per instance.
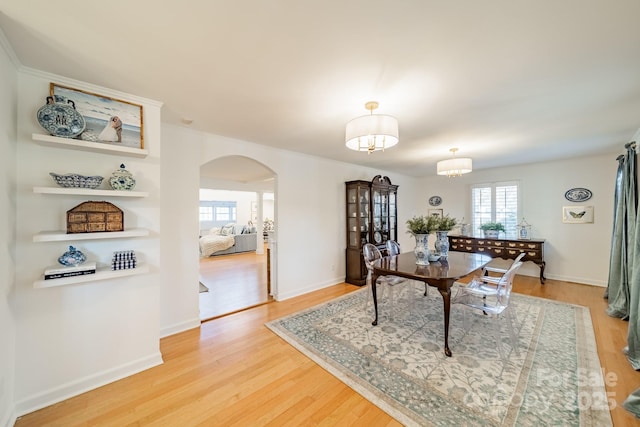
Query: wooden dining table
438,274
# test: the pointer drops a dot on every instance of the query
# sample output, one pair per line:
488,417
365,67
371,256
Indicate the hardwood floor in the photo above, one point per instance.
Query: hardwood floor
235,282
233,371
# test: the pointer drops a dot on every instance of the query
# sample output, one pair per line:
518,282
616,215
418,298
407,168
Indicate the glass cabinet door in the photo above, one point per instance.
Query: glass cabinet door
393,225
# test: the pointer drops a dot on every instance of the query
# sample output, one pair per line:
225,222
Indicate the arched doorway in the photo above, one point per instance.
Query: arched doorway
238,277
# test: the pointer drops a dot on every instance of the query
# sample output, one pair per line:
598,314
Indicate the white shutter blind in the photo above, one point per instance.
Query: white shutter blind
496,202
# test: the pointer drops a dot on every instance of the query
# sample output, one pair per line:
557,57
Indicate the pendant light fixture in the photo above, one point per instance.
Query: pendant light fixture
455,166
372,132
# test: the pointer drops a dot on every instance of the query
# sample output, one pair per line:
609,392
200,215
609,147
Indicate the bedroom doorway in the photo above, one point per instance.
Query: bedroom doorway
240,276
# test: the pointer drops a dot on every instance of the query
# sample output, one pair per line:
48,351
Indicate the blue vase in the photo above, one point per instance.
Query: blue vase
442,243
421,250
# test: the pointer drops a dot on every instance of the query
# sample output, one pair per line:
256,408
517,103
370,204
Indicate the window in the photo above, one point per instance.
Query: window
218,212
495,202
206,213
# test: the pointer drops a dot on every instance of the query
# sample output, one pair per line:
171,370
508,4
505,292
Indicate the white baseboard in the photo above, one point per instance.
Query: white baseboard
309,288
179,327
79,386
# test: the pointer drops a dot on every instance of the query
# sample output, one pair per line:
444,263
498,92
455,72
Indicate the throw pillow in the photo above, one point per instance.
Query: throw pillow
228,229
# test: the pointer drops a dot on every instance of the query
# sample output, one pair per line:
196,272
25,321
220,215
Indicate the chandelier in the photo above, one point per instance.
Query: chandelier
372,132
455,166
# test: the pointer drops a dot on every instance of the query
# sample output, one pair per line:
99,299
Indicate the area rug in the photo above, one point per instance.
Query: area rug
203,288
552,377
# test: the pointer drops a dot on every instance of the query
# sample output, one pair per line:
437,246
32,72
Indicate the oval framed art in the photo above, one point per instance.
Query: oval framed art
578,195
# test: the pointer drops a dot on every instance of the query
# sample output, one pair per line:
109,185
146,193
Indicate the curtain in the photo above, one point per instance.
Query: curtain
623,239
632,403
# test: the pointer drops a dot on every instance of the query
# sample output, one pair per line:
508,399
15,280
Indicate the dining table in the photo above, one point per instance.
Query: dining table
441,274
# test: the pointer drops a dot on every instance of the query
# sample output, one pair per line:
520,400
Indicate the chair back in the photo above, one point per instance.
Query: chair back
393,248
519,257
370,253
506,284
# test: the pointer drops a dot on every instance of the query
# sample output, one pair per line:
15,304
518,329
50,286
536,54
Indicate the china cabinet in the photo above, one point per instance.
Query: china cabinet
371,210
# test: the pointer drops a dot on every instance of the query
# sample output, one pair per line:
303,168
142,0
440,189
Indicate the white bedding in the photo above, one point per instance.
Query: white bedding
212,243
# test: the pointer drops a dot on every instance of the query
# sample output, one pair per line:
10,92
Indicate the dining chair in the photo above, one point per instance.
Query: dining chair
486,270
371,253
491,295
393,248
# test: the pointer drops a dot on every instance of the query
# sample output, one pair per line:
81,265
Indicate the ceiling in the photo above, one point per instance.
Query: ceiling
507,82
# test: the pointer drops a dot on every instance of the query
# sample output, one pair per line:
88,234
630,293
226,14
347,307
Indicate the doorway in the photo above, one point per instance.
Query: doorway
232,282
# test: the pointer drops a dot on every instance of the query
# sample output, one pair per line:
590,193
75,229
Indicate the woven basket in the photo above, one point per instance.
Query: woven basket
92,217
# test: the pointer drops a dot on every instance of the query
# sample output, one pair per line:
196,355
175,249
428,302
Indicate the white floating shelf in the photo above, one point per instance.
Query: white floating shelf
89,192
100,274
61,236
96,147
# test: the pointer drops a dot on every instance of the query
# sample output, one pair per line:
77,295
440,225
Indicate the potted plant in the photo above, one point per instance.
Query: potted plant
492,229
420,227
445,224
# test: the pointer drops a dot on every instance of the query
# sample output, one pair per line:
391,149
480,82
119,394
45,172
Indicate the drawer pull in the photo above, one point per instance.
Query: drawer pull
531,246
498,251
512,252
468,248
512,245
532,254
497,243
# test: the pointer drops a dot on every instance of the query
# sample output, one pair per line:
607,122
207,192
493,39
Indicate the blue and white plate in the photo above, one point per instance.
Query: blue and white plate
61,119
578,195
435,200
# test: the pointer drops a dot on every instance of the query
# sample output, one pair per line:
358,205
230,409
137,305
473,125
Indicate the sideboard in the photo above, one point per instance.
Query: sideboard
502,248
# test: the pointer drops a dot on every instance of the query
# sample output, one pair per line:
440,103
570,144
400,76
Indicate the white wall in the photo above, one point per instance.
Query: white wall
573,252
77,337
8,123
309,211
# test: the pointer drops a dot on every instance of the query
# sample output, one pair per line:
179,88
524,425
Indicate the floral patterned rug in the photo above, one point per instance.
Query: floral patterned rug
553,377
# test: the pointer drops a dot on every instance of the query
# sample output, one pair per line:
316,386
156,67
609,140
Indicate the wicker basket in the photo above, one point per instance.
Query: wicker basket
92,217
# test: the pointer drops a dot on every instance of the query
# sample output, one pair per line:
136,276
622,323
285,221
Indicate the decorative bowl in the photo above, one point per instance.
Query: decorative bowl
434,257
74,180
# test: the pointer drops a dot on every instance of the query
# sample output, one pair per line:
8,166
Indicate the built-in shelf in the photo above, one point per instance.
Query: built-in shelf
100,274
78,144
61,236
89,192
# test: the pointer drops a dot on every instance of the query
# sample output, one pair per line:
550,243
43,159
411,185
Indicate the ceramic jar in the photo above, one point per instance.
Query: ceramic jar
72,257
122,179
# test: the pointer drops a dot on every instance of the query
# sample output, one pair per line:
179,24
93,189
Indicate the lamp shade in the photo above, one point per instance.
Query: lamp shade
454,167
372,133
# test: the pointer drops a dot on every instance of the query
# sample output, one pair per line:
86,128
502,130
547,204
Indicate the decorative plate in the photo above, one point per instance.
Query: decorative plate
578,195
377,237
60,119
435,200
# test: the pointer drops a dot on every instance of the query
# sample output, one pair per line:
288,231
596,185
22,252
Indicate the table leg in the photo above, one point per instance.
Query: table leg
446,298
374,279
542,278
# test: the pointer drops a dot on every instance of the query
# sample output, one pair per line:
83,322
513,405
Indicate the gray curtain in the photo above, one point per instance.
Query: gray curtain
629,303
623,239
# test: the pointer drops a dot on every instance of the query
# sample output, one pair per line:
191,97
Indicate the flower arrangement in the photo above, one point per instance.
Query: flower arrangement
446,223
422,224
497,226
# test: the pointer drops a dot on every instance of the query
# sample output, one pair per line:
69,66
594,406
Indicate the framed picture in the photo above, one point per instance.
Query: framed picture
435,212
109,120
577,214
